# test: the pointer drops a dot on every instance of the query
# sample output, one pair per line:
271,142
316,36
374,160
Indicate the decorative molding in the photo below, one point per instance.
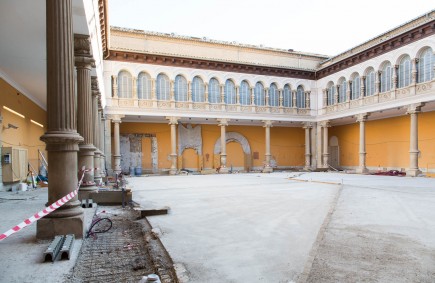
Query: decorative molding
385,45
172,61
104,26
82,45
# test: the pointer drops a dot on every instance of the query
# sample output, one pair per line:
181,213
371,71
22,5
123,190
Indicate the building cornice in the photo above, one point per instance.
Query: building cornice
173,61
104,26
387,44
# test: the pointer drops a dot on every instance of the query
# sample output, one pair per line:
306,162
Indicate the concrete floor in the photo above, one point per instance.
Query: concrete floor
271,228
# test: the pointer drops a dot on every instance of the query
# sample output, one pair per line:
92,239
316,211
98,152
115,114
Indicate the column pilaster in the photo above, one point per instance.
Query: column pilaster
325,126
307,127
96,129
61,137
116,120
413,111
267,168
173,122
362,118
223,123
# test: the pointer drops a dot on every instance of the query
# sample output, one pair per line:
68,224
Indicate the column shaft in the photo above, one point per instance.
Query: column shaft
223,155
173,169
267,166
362,169
325,146
413,169
307,128
61,137
116,146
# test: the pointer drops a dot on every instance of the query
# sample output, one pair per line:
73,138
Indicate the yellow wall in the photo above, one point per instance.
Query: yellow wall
27,135
287,145
387,142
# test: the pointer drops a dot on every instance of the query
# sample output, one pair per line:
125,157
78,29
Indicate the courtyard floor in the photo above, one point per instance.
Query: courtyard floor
294,227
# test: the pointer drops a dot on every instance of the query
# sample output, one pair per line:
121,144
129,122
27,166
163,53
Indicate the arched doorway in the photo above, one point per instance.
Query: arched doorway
235,156
334,152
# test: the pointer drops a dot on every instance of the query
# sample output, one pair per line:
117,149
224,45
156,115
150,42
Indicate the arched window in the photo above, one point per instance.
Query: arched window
426,63
230,92
144,86
163,87
370,83
180,88
287,96
386,78
300,97
125,85
198,90
342,91
273,95
259,94
356,88
330,94
245,97
214,94
404,72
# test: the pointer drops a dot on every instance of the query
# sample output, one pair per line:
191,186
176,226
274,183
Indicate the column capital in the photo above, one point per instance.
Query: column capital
116,118
172,120
267,123
82,45
362,117
223,121
307,125
325,124
414,108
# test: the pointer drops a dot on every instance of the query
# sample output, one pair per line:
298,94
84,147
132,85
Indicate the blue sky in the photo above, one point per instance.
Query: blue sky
318,26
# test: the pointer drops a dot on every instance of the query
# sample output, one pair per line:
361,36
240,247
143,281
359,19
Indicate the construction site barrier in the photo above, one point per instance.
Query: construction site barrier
43,212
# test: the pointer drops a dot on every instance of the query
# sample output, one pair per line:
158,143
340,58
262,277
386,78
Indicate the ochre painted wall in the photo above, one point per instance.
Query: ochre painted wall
27,135
387,142
287,145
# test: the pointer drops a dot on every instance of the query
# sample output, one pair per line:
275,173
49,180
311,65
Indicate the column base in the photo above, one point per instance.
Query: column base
413,172
47,228
308,168
173,171
362,170
267,169
224,170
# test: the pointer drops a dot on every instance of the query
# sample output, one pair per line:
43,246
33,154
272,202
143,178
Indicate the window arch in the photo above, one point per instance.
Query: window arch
144,86
125,85
214,94
230,92
386,77
180,88
259,94
300,97
330,94
163,87
287,96
342,90
404,72
198,90
245,97
356,87
426,63
273,95
369,84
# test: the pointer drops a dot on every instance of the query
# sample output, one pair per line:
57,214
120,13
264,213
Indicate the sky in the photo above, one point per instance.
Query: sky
327,27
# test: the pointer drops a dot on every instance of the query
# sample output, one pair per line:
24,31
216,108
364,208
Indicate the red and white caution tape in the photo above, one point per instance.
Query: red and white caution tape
43,212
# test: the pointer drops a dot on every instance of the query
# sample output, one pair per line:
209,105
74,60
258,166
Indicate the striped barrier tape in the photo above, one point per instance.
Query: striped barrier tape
43,212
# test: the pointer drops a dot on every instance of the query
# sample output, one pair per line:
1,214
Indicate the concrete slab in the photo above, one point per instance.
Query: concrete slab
272,228
240,227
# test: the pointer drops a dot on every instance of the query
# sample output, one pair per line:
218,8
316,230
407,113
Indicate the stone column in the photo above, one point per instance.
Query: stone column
307,99
222,88
267,168
348,90
206,93
115,86
413,111
307,127
362,118
294,102
363,87
337,92
325,126
252,96
134,83
173,121
96,130
414,71
108,145
238,95
281,99
1,172
266,96
395,77
325,97
378,75
319,146
116,119
223,123
102,144
61,137
84,62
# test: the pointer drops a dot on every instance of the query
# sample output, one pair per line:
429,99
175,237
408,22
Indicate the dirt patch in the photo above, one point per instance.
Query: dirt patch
359,255
125,253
